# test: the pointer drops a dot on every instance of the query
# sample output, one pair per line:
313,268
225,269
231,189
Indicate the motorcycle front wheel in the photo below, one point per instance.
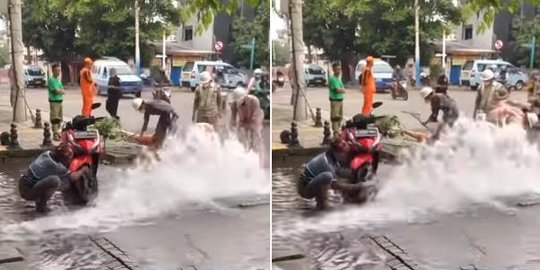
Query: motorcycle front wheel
405,95
84,190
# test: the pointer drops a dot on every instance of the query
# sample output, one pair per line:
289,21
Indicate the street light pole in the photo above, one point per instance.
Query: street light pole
417,42
444,51
137,49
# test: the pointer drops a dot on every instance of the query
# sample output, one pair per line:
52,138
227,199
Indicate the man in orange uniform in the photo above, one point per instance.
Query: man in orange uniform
87,87
368,86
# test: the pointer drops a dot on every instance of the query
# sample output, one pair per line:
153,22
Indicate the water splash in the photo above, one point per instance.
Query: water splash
194,168
473,164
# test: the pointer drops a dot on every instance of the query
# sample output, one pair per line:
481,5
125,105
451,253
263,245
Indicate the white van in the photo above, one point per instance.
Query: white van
315,75
130,83
382,72
34,76
471,71
232,77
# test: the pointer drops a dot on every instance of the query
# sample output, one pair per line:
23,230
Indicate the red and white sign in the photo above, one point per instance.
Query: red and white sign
499,44
218,46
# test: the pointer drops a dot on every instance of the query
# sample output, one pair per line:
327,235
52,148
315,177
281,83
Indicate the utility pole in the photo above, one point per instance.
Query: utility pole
163,51
295,11
17,54
137,49
417,42
533,51
444,51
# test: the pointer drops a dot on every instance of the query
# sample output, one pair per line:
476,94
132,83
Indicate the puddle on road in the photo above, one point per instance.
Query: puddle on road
194,174
433,206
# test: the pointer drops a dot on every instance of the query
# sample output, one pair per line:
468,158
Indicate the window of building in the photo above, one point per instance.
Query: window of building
188,33
468,32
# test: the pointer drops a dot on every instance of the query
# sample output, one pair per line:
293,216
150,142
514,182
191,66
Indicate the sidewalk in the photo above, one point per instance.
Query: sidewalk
31,139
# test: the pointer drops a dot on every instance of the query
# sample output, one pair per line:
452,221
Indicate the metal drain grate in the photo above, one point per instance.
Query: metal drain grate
398,258
119,259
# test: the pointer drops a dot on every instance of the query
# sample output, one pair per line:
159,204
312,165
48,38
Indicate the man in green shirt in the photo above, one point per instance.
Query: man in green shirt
56,96
337,89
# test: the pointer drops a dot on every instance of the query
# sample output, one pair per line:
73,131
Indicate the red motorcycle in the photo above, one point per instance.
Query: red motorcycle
367,142
87,147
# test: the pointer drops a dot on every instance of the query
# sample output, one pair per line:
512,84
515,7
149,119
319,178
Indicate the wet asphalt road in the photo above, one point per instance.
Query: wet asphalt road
478,236
209,238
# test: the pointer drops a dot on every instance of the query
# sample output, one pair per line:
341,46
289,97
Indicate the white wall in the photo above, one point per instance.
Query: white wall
202,41
479,41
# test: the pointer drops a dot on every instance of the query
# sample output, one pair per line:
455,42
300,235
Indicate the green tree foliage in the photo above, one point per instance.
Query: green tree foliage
281,54
65,29
344,28
244,31
205,10
490,8
522,31
50,30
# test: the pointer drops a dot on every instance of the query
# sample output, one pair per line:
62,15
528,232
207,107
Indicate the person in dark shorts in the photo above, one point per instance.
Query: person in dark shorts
114,94
166,113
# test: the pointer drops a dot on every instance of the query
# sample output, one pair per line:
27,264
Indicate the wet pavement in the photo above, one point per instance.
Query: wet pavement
206,236
501,236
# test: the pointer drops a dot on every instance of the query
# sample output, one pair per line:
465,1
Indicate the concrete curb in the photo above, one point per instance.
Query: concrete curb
32,153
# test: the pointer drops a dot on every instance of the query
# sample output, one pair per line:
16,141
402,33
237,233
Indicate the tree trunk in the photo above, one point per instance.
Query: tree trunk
28,55
295,11
310,55
19,110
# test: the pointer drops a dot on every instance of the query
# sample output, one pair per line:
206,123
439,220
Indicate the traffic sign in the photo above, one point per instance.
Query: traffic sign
218,46
499,44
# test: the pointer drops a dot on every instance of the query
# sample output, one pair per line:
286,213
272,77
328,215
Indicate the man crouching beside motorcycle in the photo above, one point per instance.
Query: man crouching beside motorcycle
322,172
46,174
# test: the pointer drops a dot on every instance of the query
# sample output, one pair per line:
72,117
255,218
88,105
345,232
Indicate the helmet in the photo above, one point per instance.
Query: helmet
137,103
398,67
206,77
425,92
532,119
487,75
257,71
238,94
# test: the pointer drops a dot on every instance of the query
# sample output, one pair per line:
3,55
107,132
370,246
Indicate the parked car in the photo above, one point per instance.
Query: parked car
315,75
229,77
129,81
471,71
382,71
34,76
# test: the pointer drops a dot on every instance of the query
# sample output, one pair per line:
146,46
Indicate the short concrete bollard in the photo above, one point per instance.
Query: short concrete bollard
38,123
47,142
294,142
327,134
14,137
285,136
318,118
